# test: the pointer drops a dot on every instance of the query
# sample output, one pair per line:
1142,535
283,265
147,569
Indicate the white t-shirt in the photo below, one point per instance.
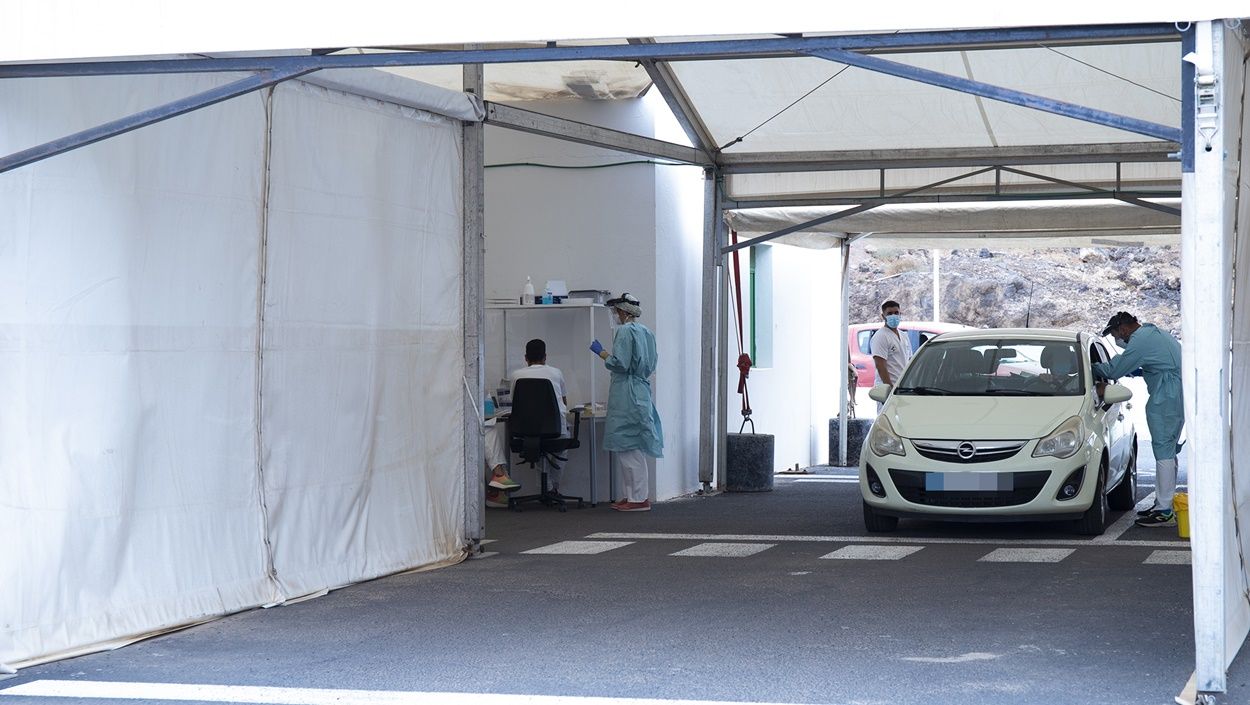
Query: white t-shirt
557,382
894,349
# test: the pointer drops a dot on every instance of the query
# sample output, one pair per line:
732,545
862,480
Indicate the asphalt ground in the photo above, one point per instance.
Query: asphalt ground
913,617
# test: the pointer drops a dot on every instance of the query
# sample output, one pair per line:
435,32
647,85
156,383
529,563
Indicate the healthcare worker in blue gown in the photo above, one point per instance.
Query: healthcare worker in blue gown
1159,357
632,430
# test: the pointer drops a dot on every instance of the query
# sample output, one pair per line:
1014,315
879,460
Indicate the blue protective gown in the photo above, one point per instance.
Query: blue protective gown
632,423
1159,356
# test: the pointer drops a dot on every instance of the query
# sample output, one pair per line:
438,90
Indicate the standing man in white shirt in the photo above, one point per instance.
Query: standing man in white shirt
891,348
496,440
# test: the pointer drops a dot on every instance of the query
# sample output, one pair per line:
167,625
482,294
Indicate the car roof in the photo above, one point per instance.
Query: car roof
1025,333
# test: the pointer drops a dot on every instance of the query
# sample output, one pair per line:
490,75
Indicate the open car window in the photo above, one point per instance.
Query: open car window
995,367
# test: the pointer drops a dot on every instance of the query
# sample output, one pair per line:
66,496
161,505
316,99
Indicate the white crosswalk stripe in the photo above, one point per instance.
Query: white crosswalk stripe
577,548
1026,555
1169,558
872,553
724,550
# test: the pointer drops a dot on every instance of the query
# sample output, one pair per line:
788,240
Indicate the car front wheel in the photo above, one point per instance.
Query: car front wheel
1094,521
876,522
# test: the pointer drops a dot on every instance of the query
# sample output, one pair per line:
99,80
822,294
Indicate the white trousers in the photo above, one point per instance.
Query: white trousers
1165,483
496,445
634,475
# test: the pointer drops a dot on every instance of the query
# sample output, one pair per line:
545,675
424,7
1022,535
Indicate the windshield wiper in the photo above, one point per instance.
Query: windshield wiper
934,391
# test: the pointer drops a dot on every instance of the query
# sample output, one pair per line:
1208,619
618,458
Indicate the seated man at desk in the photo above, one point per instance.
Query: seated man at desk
496,436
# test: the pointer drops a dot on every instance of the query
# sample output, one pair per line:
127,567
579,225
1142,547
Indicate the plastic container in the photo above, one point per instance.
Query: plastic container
1180,505
527,294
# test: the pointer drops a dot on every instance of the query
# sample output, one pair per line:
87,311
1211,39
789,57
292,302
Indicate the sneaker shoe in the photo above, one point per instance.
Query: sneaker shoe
496,500
503,482
643,506
1148,512
1157,518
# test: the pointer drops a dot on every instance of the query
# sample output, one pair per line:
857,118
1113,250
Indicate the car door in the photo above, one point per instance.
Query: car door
1113,420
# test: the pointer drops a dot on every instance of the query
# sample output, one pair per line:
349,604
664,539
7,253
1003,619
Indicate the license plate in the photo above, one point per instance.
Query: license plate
969,482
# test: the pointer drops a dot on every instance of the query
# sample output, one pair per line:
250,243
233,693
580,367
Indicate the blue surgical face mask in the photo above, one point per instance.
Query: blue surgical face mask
893,320
1121,342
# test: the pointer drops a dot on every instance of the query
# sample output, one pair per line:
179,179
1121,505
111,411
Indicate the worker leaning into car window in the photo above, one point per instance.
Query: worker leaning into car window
891,349
1159,357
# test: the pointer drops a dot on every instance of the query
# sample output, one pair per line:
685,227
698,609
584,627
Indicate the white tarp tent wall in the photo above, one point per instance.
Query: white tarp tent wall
1216,330
231,351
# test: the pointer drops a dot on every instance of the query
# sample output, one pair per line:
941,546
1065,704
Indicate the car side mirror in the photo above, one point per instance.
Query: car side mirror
1116,393
881,392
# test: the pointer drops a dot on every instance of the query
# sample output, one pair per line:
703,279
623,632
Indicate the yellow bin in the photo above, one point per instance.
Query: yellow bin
1180,505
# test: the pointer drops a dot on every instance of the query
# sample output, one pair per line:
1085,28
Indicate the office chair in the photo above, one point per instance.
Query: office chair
534,429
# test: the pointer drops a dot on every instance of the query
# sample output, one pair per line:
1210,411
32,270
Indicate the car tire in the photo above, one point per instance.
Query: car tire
1124,496
1094,521
876,522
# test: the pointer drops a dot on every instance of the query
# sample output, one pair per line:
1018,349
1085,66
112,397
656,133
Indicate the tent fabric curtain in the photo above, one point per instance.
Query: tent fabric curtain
222,340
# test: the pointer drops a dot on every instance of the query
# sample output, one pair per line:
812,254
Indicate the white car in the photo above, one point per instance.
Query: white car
1001,425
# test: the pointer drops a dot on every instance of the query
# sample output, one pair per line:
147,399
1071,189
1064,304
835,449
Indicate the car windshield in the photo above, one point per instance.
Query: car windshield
987,367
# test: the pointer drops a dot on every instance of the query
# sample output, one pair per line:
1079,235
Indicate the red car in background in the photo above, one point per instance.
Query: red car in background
860,335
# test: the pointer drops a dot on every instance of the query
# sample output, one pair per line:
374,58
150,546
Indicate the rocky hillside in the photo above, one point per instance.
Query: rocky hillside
1077,289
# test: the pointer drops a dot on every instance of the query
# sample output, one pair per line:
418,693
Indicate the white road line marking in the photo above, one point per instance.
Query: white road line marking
486,541
724,550
1124,523
962,658
784,538
577,548
838,480
269,695
1169,558
483,554
872,553
1026,555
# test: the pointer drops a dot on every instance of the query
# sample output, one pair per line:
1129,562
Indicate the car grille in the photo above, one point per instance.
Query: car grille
911,487
982,451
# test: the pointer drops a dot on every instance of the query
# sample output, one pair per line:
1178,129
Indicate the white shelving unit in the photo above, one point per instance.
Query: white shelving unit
567,328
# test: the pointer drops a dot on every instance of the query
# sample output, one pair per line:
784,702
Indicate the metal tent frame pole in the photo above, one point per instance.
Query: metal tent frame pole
474,281
710,341
668,51
1006,95
844,352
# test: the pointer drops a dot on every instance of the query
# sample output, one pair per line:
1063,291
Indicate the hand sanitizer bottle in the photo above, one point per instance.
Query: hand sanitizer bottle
547,297
527,294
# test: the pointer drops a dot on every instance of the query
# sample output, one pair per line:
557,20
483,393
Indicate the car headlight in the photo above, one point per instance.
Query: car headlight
1063,442
883,440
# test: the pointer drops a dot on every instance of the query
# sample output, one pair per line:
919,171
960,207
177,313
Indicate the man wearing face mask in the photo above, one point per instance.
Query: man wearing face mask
1159,357
891,349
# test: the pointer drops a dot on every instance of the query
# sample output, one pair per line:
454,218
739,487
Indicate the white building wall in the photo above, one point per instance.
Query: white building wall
794,398
602,229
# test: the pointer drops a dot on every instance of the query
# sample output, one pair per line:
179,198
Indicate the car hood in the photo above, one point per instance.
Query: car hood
979,418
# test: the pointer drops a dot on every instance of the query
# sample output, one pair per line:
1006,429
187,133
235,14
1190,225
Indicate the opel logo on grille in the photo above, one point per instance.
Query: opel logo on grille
966,450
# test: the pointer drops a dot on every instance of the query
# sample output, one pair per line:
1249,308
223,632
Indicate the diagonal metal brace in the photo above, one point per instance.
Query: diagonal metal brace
1006,95
257,81
1118,195
867,205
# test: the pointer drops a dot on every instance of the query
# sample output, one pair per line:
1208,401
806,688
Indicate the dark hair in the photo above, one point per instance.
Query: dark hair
890,304
535,350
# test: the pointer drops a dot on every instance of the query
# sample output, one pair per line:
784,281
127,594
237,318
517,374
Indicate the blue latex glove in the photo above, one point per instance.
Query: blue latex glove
596,347
1137,373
